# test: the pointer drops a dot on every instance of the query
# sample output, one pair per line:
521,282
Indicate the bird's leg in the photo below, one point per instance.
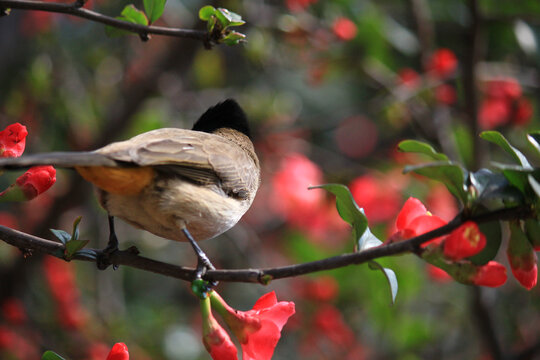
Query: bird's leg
203,262
103,260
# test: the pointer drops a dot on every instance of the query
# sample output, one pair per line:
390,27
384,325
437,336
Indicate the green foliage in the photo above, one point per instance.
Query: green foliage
130,14
72,244
420,147
498,139
51,355
219,21
451,174
154,9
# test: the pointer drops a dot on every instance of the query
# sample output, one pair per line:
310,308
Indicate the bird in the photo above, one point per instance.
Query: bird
179,184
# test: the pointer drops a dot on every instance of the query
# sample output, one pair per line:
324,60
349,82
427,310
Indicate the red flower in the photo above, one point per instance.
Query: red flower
493,113
409,78
322,288
492,274
356,136
467,240
13,140
523,112
442,63
344,29
299,5
118,352
329,321
379,198
504,88
13,311
36,180
522,258
414,220
445,94
259,329
215,339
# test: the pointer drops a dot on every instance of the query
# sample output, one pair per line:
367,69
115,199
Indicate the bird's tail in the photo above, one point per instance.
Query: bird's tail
58,159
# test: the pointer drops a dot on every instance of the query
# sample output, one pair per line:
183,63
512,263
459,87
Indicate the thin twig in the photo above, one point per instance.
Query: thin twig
75,10
131,258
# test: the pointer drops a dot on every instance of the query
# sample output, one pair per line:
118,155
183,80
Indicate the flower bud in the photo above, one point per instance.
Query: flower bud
36,180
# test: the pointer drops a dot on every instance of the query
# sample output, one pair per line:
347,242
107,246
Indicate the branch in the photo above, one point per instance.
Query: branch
75,9
29,243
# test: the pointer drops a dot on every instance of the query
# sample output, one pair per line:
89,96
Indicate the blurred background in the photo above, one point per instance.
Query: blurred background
330,88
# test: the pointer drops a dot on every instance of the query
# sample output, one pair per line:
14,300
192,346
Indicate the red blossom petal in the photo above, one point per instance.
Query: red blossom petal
13,140
36,180
344,29
410,210
119,352
493,113
467,240
266,301
443,63
426,223
493,274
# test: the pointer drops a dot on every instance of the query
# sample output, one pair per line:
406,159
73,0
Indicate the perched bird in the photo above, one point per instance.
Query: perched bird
175,183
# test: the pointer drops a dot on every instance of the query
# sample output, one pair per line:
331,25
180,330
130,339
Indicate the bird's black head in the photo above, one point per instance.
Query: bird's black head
227,114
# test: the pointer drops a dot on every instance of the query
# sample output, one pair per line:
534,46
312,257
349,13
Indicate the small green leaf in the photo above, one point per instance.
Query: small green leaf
73,246
519,243
134,15
228,18
51,355
233,38
206,12
447,172
534,140
420,147
534,185
368,240
347,208
154,9
86,253
495,187
498,139
532,229
390,276
62,235
75,232
130,14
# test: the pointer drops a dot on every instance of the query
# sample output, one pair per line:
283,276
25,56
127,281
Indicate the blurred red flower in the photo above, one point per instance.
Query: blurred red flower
467,240
356,136
13,140
259,329
379,198
36,180
522,113
329,321
414,220
13,311
493,274
493,112
409,78
442,63
344,28
61,280
503,88
322,288
298,5
118,352
445,94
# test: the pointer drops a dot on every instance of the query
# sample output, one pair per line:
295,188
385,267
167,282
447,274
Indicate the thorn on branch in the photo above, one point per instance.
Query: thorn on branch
79,3
144,36
4,11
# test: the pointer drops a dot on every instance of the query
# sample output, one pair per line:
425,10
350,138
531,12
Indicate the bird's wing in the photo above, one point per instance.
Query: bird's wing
200,157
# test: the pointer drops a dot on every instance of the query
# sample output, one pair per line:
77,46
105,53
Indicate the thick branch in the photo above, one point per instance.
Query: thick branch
28,243
75,10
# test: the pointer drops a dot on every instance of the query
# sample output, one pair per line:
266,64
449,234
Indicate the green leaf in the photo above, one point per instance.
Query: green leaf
206,12
534,185
73,246
492,186
368,240
134,15
130,14
233,38
228,18
532,229
498,139
62,235
450,174
51,355
75,232
534,139
154,9
347,208
519,243
493,233
420,147
390,276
